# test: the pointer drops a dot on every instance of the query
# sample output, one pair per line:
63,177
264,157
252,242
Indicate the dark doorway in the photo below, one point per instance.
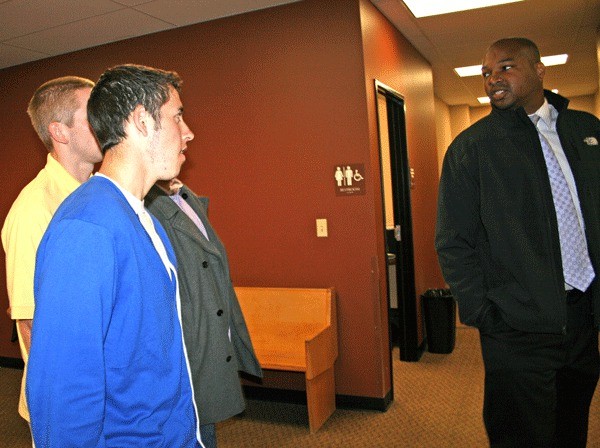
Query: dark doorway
396,185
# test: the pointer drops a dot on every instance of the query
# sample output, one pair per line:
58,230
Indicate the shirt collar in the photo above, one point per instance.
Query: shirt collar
547,113
177,185
56,170
135,203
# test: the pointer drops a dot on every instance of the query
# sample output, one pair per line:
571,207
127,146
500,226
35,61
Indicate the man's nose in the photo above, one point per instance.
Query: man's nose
494,78
187,133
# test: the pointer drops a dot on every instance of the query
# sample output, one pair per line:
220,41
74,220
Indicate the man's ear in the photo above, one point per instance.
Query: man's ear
141,119
540,69
58,133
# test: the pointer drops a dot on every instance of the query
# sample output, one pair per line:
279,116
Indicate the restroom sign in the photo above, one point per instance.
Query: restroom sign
348,179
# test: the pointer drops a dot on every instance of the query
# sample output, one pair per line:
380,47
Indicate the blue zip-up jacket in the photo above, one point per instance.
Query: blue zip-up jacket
107,366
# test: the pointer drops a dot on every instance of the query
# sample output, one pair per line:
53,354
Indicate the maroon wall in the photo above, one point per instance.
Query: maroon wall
276,99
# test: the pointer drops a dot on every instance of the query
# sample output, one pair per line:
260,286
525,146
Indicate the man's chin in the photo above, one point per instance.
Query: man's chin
503,105
167,177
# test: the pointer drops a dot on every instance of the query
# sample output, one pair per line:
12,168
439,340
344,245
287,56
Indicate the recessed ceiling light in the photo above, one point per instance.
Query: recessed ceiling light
471,70
475,70
557,59
425,8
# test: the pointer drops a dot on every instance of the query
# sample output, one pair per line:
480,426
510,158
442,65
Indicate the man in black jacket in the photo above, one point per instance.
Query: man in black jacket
518,240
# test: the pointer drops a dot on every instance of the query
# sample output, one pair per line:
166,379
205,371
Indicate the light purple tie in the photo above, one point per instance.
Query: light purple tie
577,266
189,211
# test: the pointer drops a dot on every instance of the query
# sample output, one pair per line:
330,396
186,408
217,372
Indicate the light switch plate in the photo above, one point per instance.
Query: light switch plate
321,227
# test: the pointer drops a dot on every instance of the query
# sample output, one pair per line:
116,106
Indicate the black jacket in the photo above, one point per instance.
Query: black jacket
497,235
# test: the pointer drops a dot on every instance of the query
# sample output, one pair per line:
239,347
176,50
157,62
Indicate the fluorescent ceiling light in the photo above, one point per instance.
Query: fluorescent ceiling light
557,59
475,70
471,70
425,8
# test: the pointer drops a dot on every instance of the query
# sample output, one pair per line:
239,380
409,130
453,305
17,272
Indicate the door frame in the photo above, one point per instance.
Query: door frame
408,339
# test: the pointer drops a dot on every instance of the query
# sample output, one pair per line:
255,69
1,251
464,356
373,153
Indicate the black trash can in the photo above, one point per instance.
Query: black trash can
439,310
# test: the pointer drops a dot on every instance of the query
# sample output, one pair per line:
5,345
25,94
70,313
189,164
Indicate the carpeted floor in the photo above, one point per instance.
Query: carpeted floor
437,405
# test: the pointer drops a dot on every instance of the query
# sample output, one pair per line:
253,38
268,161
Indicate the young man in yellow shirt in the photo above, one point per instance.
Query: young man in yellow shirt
59,115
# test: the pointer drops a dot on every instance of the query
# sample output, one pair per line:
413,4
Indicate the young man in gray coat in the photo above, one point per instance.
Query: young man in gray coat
215,332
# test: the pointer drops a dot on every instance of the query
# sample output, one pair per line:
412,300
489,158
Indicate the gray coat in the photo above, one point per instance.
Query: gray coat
209,309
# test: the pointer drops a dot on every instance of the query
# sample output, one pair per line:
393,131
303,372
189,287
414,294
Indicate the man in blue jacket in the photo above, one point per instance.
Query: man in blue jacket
518,239
107,365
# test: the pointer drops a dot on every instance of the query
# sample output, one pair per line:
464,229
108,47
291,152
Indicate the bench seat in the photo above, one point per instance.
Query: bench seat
295,330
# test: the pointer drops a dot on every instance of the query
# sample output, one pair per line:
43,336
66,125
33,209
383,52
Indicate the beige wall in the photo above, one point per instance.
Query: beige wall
587,103
443,130
597,98
460,119
477,113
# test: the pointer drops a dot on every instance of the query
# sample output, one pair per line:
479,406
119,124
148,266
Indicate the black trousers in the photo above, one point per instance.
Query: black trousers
538,387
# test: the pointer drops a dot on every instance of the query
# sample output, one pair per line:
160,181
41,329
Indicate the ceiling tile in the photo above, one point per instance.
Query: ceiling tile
22,17
262,4
131,2
91,32
10,56
187,12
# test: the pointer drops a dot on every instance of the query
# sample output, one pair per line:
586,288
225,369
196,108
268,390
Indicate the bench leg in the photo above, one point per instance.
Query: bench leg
320,397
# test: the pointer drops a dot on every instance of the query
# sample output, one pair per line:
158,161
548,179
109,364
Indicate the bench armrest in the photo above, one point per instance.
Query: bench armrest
321,352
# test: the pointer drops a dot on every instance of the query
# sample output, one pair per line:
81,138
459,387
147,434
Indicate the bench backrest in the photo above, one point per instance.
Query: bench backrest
286,305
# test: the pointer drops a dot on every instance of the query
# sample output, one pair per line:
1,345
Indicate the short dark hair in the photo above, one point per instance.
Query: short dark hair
55,100
527,45
119,91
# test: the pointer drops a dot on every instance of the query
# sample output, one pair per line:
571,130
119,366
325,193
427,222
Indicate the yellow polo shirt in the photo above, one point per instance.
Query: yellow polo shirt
22,232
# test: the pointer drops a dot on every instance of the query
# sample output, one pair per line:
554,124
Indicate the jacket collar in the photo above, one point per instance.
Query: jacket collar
156,192
170,209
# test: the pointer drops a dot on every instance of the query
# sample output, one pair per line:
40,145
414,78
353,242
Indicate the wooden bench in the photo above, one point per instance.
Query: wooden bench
295,329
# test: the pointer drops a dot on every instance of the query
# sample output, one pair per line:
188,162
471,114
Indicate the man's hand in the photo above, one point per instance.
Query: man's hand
25,332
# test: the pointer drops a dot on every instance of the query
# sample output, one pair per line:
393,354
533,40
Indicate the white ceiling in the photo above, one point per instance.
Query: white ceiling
460,39
37,29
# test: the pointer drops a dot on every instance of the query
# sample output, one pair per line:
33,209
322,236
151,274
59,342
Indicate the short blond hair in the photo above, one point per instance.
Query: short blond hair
55,100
